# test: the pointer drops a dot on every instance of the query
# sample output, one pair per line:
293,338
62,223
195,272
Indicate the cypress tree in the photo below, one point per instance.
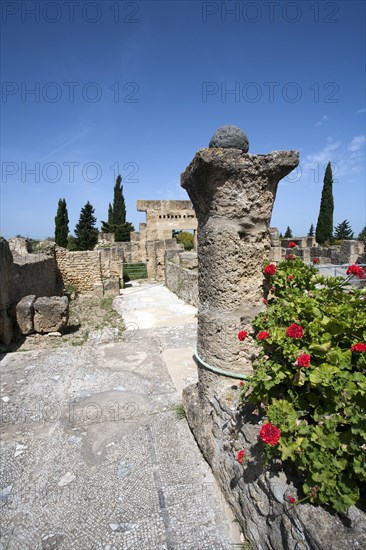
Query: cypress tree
343,231
86,234
110,214
61,224
288,233
117,215
311,231
324,227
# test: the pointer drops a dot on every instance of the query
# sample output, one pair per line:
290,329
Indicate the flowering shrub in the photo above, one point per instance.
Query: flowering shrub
304,360
310,377
242,335
262,335
240,456
270,269
292,244
270,434
360,347
356,270
295,331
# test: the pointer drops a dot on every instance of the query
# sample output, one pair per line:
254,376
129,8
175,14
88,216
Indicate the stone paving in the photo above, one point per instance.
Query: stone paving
93,453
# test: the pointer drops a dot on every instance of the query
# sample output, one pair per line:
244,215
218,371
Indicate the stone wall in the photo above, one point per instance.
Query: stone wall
95,271
40,278
7,293
163,217
81,269
155,257
181,275
349,252
24,275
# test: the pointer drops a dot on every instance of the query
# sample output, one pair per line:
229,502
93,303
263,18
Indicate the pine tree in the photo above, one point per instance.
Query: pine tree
343,231
117,215
61,224
362,235
86,234
324,227
311,231
288,234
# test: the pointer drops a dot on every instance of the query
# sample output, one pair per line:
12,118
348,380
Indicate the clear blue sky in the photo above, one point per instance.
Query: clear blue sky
144,85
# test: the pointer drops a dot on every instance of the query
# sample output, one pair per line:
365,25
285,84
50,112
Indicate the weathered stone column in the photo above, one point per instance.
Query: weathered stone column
233,194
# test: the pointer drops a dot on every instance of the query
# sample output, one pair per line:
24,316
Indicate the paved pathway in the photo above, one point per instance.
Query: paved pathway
93,454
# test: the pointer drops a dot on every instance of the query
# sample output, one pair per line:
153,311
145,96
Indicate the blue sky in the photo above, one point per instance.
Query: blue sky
138,87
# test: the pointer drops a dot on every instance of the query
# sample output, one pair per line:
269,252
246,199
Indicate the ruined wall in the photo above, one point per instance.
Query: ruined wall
181,275
6,292
27,274
155,257
81,268
40,278
91,271
163,217
349,252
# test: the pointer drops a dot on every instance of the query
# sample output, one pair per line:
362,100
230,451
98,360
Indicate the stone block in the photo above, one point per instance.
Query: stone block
189,260
24,314
98,289
111,287
51,314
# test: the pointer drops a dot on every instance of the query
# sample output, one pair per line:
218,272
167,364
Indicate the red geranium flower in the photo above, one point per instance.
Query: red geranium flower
295,331
290,277
316,261
270,269
270,434
292,500
360,347
263,335
242,335
290,256
264,300
304,360
292,244
241,383
241,455
356,270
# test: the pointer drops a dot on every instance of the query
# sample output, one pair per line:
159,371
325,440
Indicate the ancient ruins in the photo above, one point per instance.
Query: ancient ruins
232,195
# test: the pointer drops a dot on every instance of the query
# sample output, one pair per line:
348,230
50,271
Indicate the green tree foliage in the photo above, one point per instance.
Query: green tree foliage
324,227
117,223
85,231
288,234
61,224
311,231
362,235
71,243
343,231
186,239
